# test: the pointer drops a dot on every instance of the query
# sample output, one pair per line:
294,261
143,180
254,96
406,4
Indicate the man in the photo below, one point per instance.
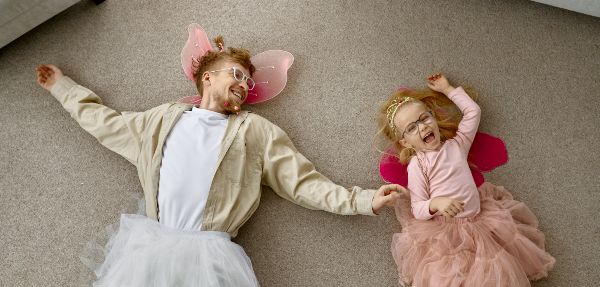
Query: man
201,168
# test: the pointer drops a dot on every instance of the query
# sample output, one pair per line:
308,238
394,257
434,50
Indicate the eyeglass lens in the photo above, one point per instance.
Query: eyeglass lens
413,128
239,75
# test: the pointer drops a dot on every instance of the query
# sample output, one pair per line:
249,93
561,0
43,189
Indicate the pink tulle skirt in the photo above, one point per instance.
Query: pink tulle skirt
501,246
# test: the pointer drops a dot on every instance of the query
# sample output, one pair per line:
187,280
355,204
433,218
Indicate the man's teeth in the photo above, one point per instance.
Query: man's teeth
237,94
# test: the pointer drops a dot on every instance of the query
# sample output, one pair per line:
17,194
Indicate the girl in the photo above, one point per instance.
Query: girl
458,234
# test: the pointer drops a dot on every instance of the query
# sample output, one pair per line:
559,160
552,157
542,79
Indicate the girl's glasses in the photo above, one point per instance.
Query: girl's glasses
413,128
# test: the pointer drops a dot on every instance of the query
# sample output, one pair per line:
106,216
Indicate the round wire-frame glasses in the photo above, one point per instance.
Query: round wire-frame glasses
239,76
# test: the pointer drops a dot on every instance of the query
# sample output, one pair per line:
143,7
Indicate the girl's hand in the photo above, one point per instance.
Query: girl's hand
387,195
449,207
439,83
47,75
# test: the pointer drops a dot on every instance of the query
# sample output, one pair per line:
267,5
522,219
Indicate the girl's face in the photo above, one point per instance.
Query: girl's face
417,127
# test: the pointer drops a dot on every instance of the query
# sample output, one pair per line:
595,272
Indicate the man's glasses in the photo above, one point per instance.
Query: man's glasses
413,128
239,76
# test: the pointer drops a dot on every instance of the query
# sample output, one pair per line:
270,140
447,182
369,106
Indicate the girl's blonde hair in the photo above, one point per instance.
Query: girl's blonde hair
446,113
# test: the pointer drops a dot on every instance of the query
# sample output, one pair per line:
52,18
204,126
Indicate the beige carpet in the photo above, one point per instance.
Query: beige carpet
536,68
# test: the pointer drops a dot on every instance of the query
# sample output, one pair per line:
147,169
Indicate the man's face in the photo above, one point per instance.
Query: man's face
223,86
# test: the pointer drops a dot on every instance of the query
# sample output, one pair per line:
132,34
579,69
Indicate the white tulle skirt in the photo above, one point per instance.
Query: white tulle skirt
146,253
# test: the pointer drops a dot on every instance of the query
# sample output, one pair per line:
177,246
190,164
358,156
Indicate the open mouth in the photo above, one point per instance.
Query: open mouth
239,95
429,137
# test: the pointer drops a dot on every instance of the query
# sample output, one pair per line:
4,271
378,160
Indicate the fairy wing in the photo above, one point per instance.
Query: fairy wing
391,170
487,153
196,46
270,75
271,67
193,100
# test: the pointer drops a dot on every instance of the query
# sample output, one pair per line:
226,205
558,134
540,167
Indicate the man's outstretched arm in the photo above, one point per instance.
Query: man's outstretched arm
295,178
118,132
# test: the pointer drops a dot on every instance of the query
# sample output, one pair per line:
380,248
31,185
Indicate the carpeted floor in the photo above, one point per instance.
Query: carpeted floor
536,69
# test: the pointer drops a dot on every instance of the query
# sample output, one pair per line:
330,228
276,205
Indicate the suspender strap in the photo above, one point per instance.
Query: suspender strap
422,167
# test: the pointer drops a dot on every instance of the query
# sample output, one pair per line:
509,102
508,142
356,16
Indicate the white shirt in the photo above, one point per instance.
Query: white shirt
188,167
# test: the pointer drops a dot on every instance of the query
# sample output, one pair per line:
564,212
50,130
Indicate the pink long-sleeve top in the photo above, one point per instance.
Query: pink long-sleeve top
447,168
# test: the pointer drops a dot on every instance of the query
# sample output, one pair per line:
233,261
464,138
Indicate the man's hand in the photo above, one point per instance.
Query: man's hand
387,195
439,83
449,207
47,75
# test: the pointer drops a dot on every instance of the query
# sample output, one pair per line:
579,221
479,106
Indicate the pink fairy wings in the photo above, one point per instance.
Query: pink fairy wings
270,75
194,100
487,153
196,46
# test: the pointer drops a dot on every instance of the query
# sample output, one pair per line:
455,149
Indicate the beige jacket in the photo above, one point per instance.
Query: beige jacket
254,152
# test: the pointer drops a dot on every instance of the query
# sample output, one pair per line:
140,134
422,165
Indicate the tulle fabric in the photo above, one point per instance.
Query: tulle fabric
501,246
143,252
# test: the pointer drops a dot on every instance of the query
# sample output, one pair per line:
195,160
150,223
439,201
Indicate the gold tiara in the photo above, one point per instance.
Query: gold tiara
393,108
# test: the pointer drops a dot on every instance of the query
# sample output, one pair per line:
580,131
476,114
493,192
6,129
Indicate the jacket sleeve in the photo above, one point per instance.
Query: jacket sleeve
294,178
119,132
